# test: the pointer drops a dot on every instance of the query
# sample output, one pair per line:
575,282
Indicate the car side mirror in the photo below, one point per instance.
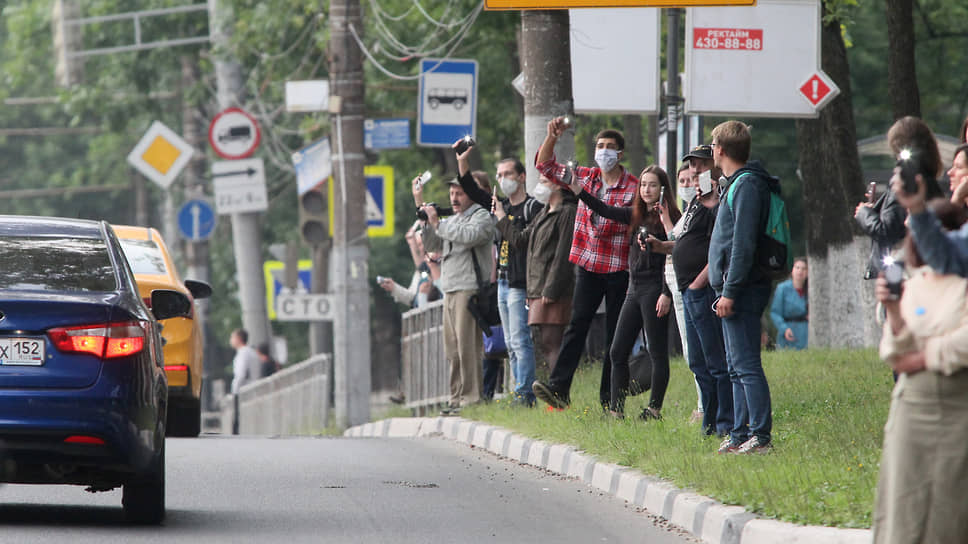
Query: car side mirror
198,289
166,304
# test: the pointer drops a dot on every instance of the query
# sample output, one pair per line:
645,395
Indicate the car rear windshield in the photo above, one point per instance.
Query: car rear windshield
144,257
55,263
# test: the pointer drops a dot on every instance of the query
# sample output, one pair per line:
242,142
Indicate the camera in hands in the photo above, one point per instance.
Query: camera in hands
441,212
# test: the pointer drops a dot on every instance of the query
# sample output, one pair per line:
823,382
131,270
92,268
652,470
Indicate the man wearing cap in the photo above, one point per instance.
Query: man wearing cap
469,233
520,208
704,332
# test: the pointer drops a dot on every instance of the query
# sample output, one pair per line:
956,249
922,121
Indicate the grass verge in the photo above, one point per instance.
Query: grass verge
829,408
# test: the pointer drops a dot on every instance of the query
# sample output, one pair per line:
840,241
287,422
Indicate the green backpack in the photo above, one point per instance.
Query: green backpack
771,248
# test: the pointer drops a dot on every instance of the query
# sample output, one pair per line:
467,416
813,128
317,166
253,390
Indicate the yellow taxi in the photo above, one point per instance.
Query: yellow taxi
184,341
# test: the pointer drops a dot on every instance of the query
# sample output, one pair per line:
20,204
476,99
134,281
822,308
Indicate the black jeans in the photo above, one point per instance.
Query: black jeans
590,288
639,308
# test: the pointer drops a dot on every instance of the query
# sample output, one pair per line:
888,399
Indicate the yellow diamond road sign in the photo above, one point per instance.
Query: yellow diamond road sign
160,155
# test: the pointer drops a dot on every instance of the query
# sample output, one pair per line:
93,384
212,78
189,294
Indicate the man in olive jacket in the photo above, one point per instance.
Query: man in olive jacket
470,231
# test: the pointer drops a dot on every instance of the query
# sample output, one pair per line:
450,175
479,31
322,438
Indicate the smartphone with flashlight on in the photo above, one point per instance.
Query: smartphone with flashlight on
465,143
705,182
871,192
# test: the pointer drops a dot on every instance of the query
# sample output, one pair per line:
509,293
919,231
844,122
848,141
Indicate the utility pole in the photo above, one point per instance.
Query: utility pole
546,63
246,228
672,90
197,252
351,324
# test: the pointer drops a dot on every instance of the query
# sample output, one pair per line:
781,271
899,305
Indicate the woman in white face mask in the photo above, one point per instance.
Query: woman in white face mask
551,278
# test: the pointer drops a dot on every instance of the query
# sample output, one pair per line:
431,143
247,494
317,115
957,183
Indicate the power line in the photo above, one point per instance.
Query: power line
456,39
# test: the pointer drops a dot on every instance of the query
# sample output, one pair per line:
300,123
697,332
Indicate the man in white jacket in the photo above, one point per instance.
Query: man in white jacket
246,368
469,232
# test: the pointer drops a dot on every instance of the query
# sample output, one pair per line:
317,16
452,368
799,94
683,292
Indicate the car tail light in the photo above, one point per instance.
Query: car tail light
84,439
108,340
176,368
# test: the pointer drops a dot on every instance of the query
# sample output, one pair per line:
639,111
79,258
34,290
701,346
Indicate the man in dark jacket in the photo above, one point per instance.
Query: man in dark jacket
511,267
743,289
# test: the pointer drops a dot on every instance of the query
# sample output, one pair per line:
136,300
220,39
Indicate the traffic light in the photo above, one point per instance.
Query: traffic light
313,220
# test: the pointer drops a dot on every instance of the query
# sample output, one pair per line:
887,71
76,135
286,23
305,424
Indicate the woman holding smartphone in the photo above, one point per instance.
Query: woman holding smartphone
648,298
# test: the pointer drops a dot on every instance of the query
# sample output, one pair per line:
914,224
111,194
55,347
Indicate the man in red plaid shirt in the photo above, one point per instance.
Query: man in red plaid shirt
600,248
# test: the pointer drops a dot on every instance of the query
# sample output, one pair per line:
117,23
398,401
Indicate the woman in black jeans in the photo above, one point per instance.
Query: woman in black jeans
648,297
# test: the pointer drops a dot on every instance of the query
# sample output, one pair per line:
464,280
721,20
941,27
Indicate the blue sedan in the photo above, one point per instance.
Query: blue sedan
83,393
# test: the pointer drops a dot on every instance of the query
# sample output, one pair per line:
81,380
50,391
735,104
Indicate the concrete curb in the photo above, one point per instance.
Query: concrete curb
705,518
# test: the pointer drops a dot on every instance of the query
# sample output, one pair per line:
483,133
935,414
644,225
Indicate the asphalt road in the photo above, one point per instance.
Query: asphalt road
340,490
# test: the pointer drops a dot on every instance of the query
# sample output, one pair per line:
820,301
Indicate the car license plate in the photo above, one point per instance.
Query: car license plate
22,351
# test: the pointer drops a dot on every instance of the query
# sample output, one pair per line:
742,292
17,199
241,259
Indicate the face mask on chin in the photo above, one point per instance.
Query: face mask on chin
606,159
541,193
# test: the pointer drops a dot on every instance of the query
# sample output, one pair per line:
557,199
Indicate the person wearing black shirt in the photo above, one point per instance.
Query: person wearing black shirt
512,276
704,330
648,299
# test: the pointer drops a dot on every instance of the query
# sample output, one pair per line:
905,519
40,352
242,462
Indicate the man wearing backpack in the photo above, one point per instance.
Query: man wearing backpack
742,287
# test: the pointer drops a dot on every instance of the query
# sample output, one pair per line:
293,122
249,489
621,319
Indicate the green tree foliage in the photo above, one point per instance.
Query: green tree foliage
280,40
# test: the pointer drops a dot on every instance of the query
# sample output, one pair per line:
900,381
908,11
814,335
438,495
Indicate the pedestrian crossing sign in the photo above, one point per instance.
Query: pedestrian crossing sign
379,201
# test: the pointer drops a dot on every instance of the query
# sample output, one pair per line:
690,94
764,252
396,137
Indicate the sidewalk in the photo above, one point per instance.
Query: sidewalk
703,517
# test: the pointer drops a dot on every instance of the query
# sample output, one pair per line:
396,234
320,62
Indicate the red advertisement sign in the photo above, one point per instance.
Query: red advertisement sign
737,39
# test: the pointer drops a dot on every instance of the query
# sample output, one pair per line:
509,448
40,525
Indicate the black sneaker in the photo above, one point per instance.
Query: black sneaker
549,396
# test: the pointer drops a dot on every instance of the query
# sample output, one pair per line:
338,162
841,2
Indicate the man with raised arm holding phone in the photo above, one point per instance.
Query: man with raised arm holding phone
600,250
511,265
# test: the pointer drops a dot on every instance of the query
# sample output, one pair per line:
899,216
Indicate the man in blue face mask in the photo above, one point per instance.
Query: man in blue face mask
600,248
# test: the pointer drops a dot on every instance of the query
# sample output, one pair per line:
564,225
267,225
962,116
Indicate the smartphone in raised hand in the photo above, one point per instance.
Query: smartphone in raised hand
705,182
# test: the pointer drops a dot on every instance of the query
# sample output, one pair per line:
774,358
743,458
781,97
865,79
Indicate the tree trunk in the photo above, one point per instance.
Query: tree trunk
634,143
546,62
840,311
902,79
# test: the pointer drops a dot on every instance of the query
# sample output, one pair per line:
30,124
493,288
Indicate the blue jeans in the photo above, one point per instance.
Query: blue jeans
707,359
752,409
512,305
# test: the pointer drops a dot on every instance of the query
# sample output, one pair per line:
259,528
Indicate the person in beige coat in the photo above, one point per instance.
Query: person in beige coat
924,465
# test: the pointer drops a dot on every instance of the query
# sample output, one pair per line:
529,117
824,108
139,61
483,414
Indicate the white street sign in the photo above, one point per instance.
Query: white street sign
313,164
240,186
609,41
234,134
752,61
304,307
447,101
160,154
310,95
